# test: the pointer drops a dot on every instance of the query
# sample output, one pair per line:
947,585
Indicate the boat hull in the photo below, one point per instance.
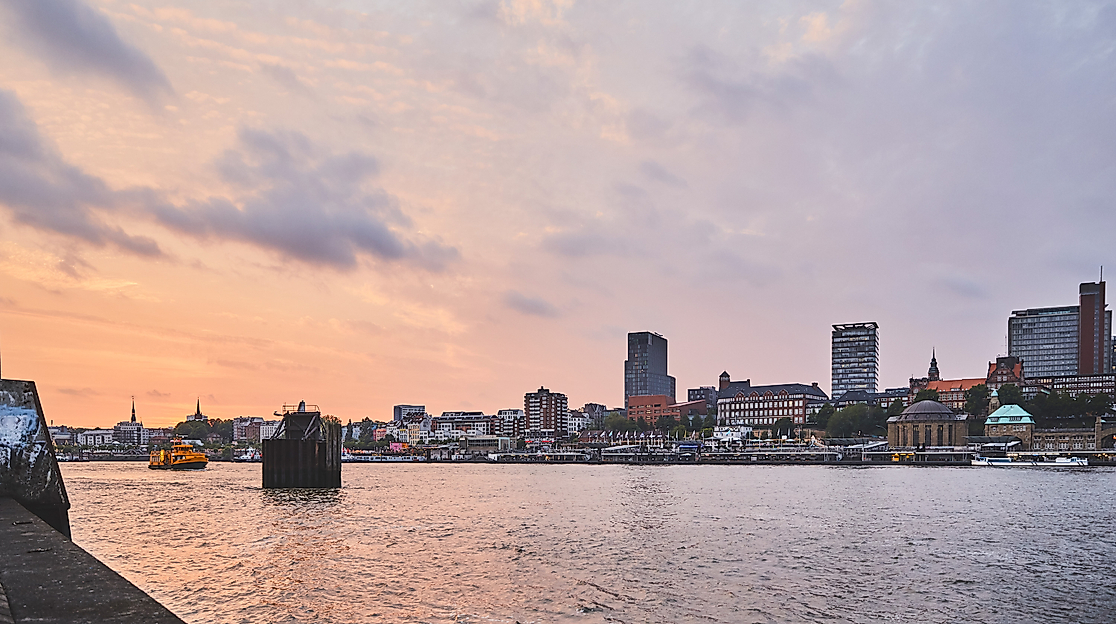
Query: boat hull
1074,462
192,465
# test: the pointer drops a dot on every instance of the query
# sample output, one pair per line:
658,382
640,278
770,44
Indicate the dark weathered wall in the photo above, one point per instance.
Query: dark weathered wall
48,579
303,463
28,468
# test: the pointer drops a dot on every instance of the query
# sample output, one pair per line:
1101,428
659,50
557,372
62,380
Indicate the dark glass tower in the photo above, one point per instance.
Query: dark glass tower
645,370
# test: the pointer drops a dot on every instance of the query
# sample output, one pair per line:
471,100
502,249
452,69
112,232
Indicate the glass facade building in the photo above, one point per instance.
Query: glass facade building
1045,339
855,358
645,370
1064,341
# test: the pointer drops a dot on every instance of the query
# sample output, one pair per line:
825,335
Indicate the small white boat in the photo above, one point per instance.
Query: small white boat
1007,462
249,455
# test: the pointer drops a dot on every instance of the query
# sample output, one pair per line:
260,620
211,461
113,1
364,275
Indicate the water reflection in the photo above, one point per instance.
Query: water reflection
302,497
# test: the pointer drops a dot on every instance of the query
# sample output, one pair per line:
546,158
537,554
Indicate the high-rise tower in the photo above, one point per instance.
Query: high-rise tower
856,358
1094,331
645,370
1067,340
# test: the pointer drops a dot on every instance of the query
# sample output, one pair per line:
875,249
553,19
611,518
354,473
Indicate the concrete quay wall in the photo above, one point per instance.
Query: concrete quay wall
47,579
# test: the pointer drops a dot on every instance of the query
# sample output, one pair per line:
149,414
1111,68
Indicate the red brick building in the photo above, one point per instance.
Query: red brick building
655,406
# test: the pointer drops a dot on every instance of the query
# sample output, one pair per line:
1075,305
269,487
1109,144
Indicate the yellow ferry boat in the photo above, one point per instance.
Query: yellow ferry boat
181,457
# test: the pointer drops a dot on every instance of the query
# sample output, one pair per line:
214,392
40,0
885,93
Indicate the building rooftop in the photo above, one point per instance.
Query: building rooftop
746,388
1010,414
926,411
947,385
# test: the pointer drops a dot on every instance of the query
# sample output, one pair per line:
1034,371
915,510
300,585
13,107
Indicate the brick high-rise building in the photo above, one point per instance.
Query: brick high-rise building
546,411
1094,331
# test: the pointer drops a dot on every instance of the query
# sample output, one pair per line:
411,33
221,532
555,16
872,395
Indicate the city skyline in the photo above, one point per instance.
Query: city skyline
364,206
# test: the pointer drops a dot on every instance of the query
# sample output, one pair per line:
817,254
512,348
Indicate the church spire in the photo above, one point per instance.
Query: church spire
133,409
197,412
933,374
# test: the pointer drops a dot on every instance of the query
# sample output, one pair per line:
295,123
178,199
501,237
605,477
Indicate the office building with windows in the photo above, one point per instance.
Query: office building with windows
1064,341
645,370
855,358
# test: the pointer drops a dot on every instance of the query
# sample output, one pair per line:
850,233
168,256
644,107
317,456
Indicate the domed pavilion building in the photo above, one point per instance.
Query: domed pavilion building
927,424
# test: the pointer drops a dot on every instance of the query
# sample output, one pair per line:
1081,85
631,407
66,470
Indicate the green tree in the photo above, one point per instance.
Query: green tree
619,422
896,408
709,422
821,419
783,426
223,428
976,400
641,424
926,394
1010,394
666,423
679,432
842,423
857,420
192,430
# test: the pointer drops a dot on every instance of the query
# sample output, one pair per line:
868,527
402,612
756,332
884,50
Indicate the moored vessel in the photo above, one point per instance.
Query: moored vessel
181,456
1008,462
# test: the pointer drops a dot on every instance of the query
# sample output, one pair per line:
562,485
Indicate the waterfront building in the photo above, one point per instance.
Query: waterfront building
1072,385
130,432
1004,371
61,435
1069,439
704,393
159,436
645,370
458,424
576,421
855,357
653,407
545,412
268,429
927,423
741,403
595,412
95,437
402,412
246,428
1067,340
511,423
1011,420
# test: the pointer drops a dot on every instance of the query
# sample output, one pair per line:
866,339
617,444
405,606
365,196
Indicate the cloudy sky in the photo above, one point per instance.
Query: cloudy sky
366,203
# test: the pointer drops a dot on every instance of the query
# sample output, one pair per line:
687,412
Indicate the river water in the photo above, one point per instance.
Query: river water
629,544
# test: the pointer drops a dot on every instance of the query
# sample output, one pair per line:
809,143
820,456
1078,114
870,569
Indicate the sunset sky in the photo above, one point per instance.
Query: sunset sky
368,203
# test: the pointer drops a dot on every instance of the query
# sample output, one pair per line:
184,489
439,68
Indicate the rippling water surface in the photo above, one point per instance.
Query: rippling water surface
486,543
